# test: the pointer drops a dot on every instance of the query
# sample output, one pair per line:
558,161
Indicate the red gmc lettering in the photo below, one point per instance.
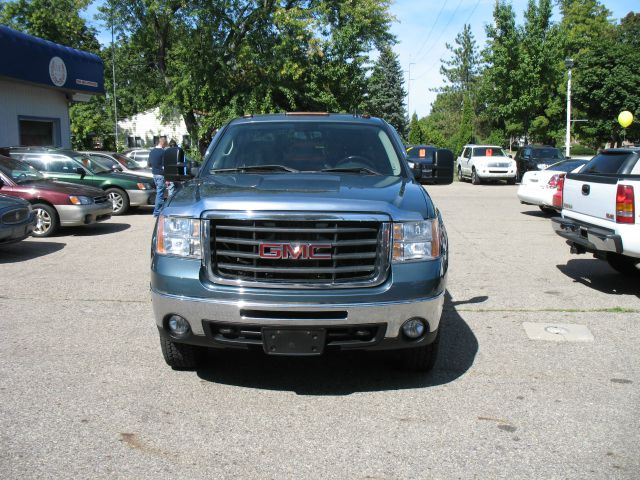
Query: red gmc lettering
303,251
274,250
313,251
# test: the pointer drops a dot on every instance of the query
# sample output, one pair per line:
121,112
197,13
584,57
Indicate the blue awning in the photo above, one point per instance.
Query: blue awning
32,59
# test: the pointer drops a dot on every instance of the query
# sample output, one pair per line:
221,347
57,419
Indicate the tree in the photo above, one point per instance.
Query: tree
461,70
415,131
386,91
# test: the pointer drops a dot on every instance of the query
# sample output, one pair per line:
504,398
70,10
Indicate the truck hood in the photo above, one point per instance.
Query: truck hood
399,198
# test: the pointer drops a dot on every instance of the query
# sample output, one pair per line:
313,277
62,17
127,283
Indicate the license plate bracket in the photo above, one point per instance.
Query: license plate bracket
288,341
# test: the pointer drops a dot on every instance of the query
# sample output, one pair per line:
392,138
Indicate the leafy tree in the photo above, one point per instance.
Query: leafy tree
461,70
386,91
416,136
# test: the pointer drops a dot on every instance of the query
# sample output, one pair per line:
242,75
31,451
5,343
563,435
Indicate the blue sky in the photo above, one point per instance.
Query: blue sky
422,28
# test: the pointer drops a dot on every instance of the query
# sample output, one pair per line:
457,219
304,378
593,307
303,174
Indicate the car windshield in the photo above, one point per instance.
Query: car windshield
611,162
420,153
127,162
546,153
96,166
567,165
19,172
305,146
488,152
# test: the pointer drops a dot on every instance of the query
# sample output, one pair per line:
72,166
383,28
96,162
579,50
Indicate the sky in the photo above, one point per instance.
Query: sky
422,28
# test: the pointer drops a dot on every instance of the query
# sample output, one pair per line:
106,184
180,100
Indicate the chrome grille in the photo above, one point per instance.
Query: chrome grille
17,215
358,251
499,165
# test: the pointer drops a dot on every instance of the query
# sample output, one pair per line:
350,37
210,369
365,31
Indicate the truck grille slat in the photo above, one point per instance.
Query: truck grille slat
296,252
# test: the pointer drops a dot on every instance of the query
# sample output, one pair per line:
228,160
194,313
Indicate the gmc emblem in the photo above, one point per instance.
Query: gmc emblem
295,251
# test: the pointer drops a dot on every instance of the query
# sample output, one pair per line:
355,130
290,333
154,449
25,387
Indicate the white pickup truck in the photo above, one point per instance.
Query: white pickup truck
601,209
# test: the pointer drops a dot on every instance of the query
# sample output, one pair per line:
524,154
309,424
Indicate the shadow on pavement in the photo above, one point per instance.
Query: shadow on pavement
95,229
27,250
540,214
343,373
597,274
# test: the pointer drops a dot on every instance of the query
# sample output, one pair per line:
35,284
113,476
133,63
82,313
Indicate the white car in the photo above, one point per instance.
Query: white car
484,163
538,186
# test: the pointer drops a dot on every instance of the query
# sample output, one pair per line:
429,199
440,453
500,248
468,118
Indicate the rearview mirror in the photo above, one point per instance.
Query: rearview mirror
82,172
175,165
442,168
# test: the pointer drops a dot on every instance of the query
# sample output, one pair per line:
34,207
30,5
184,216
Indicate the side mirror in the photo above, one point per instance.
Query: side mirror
175,164
195,171
510,156
82,172
443,161
116,168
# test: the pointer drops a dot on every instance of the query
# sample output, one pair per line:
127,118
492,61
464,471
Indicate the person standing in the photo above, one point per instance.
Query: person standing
157,168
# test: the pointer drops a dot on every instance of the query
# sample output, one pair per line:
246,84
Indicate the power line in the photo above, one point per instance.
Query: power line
431,30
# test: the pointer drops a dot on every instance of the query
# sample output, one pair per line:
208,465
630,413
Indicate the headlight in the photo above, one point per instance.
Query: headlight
411,164
179,236
414,241
80,200
542,166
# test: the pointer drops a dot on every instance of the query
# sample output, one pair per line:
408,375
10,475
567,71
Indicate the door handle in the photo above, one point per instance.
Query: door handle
586,189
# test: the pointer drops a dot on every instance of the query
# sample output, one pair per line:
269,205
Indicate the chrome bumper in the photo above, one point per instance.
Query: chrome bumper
71,215
393,314
592,238
141,197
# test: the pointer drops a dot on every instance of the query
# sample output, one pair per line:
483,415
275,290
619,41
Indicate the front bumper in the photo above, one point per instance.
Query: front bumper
16,232
489,174
139,198
593,239
387,316
73,215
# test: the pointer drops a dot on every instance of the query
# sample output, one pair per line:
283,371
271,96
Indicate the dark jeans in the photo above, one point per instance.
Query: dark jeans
160,189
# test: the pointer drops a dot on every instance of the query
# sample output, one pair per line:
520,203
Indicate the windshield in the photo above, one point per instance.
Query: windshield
19,172
420,153
96,166
488,152
549,153
567,165
305,146
611,162
127,162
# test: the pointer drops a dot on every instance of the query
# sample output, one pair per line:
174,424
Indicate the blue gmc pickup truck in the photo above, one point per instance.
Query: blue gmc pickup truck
299,234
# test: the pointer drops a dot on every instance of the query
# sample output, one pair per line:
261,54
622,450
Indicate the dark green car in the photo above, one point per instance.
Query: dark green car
123,189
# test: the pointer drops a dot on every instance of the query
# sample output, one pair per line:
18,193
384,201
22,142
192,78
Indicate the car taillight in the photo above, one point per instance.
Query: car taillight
557,197
553,181
625,200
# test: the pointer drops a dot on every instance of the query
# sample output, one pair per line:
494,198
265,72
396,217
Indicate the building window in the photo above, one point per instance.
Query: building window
39,132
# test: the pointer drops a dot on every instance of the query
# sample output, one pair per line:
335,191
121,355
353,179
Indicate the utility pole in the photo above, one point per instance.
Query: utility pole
409,91
113,71
567,142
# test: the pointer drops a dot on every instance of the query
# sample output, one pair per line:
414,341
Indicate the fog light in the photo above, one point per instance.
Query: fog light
178,325
413,328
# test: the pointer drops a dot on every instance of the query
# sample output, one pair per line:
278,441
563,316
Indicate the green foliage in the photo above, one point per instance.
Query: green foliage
416,136
461,71
386,91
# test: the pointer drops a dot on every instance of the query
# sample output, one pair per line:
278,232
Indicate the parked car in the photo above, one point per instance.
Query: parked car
139,155
16,219
55,204
421,157
539,186
536,157
601,209
123,189
119,162
481,163
301,234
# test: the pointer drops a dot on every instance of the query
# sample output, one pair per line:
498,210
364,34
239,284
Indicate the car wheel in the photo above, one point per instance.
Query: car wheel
420,359
511,181
547,210
119,199
180,356
475,179
46,220
460,179
626,265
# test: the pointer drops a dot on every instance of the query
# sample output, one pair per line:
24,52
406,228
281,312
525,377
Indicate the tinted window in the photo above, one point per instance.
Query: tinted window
60,164
567,165
421,153
35,161
606,163
547,153
488,152
306,146
19,172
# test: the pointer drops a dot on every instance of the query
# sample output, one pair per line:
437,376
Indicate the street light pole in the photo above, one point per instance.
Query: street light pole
113,71
409,91
567,143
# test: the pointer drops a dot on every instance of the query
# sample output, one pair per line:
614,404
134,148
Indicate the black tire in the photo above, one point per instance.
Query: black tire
547,210
120,200
419,359
475,179
626,265
47,222
180,356
460,179
511,181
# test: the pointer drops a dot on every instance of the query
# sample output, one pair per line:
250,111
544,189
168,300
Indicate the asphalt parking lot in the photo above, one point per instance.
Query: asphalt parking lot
85,393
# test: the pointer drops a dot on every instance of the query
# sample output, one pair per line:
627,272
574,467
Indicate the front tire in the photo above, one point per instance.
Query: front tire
626,265
180,356
420,359
475,179
460,179
120,200
511,181
47,222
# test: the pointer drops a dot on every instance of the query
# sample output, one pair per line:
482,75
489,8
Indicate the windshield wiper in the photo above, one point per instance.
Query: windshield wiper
365,170
255,168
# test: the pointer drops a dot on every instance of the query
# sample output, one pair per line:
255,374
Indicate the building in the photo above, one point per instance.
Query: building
143,129
38,81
